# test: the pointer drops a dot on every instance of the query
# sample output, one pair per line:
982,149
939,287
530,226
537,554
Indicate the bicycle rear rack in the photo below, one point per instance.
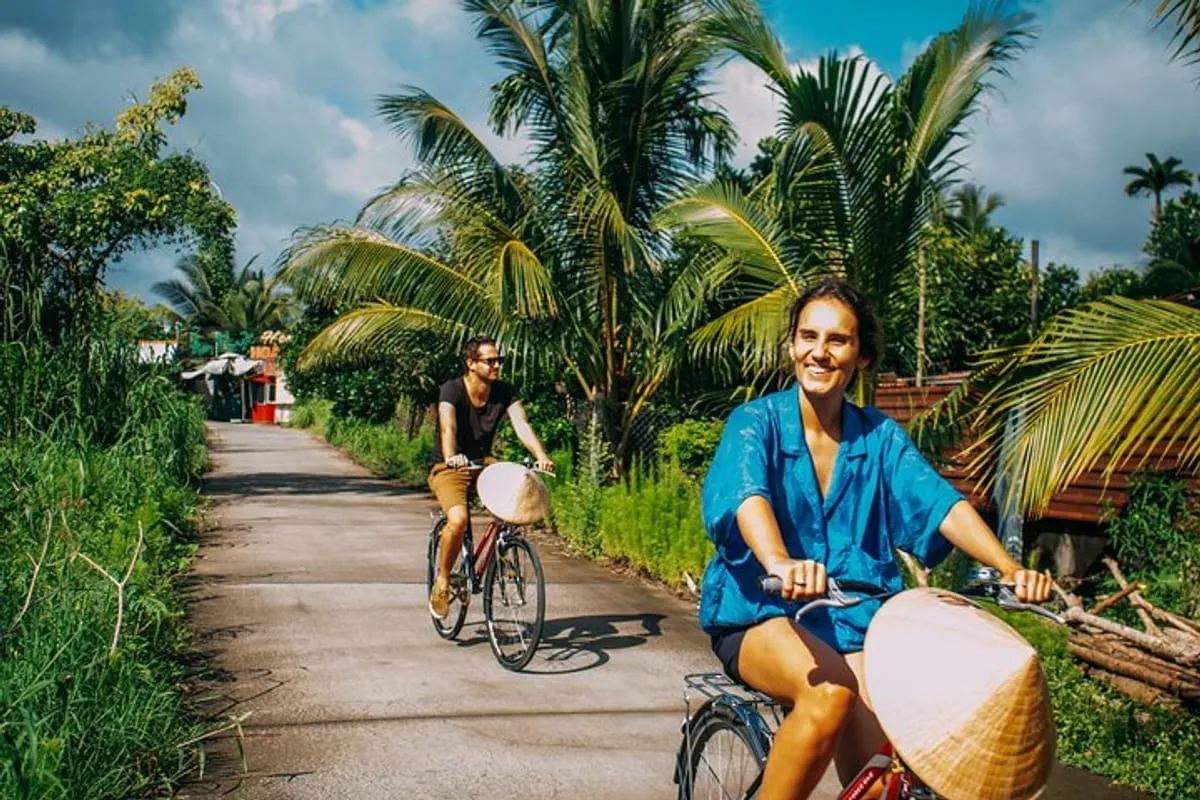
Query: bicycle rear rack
756,709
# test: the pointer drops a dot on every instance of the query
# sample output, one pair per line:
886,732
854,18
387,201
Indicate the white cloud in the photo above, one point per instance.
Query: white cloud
1094,95
255,19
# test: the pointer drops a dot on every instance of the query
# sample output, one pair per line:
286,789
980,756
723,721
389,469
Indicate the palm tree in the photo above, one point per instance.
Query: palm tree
1184,15
1156,179
559,261
252,302
1112,380
859,175
971,208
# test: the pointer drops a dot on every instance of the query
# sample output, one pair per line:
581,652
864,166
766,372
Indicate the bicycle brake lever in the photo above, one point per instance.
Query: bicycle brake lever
1007,599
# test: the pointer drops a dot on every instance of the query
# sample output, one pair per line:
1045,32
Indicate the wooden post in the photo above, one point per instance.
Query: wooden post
1033,288
920,318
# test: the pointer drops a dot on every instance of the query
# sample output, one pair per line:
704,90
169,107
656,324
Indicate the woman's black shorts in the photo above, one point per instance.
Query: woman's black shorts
727,645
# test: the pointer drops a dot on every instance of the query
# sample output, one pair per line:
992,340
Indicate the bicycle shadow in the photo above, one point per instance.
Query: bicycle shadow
577,644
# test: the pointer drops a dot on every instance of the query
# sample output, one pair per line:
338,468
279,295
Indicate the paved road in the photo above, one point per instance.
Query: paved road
309,599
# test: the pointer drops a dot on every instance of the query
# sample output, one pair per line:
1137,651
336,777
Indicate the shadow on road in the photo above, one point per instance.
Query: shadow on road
576,644
298,483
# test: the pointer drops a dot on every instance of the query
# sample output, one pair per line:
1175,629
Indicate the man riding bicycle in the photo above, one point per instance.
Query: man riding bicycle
469,411
806,485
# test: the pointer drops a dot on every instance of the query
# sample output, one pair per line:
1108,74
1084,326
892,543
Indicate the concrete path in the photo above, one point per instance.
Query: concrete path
309,599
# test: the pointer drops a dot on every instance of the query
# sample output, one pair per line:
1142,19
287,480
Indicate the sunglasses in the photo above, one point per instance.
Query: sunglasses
494,361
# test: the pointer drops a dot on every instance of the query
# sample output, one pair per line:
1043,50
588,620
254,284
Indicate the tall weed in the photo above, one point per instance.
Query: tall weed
100,453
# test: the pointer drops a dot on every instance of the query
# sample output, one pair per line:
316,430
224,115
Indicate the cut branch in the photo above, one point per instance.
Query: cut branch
1153,644
1111,601
1136,598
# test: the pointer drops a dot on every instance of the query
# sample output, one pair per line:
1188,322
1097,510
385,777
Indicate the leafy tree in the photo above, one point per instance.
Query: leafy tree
71,208
558,262
1156,179
978,298
1114,280
133,320
857,179
1174,247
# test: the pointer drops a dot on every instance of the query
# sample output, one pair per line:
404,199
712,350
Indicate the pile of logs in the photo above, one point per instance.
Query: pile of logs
1156,666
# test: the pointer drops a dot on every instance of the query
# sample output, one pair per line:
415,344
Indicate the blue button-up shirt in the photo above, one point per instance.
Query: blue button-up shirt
883,495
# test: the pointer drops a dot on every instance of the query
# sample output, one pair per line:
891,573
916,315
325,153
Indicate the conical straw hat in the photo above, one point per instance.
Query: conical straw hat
513,493
961,696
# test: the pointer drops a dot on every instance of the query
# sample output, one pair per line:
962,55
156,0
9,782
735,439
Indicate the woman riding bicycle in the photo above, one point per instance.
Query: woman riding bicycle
805,484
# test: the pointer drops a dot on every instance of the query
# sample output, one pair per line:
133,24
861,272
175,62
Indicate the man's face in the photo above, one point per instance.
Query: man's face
486,364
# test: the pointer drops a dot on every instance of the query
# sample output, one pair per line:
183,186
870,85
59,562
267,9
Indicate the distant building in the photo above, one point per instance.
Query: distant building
157,351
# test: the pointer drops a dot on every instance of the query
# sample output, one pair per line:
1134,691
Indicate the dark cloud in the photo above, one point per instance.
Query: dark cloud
86,27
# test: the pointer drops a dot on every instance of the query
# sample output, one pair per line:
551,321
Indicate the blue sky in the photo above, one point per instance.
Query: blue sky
287,126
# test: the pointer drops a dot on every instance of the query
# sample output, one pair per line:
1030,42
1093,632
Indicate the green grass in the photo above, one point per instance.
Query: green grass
93,459
382,448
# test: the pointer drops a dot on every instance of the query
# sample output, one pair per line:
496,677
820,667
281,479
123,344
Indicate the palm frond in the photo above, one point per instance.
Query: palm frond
754,330
1114,380
364,333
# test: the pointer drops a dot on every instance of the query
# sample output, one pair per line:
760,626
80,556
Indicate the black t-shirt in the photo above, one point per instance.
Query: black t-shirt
475,427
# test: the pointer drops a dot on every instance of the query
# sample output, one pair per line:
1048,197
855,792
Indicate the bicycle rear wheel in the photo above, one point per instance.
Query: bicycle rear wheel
459,588
721,758
514,602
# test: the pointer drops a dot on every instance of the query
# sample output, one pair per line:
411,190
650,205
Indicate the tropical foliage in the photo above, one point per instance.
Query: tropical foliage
211,297
560,262
858,177
1105,384
70,208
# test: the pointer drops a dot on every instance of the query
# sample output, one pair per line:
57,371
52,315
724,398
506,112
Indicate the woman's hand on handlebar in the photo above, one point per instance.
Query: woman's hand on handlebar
802,580
458,461
1030,586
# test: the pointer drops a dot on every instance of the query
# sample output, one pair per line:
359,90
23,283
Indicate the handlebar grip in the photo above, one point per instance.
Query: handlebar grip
773,585
770,584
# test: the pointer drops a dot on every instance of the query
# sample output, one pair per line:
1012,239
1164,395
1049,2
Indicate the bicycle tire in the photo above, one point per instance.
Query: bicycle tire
506,586
715,739
449,627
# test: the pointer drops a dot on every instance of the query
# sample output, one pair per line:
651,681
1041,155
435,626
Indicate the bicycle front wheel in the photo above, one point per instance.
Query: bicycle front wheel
514,602
721,759
460,591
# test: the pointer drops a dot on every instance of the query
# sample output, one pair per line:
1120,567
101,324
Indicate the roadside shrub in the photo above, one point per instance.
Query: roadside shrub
691,444
1157,540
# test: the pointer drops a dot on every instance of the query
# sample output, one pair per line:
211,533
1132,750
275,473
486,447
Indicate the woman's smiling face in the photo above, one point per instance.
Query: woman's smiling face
825,347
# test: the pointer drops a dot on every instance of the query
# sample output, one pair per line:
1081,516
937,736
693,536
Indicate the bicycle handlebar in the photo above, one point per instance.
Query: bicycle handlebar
836,597
527,463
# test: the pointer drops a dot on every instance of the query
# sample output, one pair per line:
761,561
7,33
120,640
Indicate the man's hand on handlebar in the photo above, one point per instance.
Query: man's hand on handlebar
802,580
458,461
544,465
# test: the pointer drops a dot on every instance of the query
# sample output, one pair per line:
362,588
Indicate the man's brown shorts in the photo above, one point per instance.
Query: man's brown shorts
450,486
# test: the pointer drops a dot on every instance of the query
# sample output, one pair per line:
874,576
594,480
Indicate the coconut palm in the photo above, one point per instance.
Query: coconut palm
1156,179
1114,380
559,261
971,208
252,302
860,173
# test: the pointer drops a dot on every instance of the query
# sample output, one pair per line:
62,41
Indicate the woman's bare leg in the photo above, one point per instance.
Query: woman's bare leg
793,666
861,737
